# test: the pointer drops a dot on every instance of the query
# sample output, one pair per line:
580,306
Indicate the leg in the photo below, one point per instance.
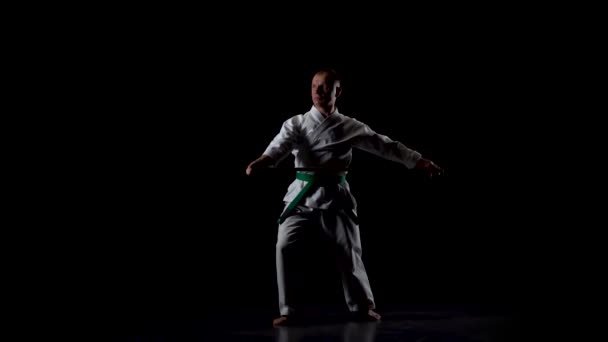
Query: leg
293,230
342,228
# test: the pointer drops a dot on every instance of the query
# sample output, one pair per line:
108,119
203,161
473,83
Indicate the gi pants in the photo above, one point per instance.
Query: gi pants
340,228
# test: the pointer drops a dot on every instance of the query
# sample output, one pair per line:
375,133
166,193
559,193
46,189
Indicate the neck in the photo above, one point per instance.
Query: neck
326,111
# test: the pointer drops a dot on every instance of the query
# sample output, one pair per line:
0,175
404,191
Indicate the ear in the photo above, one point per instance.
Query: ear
338,91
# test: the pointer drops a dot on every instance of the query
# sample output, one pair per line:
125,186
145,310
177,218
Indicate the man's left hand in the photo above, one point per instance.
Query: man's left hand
429,168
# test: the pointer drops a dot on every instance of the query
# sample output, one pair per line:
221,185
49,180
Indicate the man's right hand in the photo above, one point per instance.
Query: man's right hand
261,163
429,168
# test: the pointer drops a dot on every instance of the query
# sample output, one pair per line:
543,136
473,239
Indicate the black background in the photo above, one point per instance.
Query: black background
148,211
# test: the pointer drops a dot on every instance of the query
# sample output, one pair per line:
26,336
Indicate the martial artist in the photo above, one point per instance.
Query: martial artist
323,138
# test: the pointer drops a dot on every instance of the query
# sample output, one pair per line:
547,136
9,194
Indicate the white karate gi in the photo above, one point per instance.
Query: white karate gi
317,141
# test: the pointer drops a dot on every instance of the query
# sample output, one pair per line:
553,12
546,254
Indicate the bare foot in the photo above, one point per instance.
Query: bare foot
367,316
283,320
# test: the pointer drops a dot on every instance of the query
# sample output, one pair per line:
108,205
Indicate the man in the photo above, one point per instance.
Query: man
321,141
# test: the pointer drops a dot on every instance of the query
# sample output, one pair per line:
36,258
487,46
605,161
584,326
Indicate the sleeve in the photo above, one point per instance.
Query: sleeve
284,142
382,146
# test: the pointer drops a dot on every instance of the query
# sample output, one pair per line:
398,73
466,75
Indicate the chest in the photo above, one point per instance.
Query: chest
324,133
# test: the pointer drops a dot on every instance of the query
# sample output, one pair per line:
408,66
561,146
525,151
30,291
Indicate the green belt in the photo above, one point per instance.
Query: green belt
311,179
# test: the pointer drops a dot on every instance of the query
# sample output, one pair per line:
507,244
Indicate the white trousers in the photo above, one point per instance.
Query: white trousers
340,228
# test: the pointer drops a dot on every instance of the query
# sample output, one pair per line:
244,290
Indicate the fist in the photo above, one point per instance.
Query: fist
260,163
429,168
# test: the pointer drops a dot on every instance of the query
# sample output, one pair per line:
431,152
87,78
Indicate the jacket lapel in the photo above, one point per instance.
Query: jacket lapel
323,127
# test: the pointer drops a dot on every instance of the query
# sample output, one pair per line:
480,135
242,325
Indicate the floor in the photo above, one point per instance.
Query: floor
396,325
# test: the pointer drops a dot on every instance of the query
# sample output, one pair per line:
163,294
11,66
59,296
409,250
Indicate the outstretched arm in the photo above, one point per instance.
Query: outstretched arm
282,144
262,162
381,145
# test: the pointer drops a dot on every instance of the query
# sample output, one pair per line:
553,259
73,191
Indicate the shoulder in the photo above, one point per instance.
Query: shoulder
294,122
352,122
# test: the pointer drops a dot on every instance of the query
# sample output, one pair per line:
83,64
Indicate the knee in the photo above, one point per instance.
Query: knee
286,243
282,244
349,249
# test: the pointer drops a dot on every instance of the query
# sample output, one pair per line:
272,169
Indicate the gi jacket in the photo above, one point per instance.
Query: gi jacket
318,141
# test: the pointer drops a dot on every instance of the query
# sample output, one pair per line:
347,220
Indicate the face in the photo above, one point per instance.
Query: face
324,91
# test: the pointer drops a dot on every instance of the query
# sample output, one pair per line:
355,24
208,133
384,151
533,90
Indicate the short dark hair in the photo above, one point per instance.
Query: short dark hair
332,73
